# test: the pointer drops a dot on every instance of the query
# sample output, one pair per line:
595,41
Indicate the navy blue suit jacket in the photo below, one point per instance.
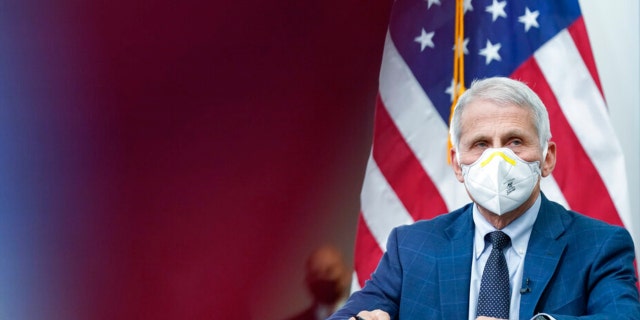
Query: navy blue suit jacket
577,266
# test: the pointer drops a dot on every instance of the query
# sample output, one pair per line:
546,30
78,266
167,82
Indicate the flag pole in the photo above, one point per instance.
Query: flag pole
458,63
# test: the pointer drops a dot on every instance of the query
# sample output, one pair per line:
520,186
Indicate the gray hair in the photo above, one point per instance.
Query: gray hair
503,91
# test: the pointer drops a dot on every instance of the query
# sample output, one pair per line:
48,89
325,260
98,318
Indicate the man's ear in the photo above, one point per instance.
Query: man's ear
549,162
456,165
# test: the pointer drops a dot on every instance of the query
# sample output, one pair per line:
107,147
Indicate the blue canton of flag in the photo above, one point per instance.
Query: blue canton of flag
499,37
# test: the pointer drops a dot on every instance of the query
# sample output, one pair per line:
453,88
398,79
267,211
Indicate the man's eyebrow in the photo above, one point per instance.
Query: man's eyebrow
516,133
475,136
479,136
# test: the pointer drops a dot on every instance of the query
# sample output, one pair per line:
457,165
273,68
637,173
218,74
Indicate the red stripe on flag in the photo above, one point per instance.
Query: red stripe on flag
402,169
367,252
578,32
574,168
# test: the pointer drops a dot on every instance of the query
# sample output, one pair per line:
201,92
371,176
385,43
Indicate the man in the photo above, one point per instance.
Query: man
327,278
548,262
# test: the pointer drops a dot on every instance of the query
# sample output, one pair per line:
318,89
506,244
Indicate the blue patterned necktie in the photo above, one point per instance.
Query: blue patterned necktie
495,294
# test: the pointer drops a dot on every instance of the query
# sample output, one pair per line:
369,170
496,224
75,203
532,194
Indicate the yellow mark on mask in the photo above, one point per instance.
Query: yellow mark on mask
502,155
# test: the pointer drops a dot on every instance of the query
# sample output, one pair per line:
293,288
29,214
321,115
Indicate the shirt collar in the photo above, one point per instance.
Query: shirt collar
518,230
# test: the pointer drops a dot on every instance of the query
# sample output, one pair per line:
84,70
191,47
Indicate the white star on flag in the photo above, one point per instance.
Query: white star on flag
425,39
467,6
430,2
529,19
465,43
497,9
490,52
450,89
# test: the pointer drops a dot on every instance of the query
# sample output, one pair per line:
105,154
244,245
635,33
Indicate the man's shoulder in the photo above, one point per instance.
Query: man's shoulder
578,222
586,224
441,222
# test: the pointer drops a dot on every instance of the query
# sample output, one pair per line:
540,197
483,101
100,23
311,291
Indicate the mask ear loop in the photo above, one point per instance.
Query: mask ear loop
544,152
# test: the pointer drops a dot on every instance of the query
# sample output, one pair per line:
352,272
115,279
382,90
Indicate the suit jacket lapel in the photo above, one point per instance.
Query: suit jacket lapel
454,268
543,254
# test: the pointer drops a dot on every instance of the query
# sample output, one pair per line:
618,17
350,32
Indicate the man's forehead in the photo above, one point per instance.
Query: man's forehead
511,123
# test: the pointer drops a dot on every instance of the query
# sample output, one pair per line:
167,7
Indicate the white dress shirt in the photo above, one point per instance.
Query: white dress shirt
519,231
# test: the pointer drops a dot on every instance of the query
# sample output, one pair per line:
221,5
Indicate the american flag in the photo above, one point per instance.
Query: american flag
543,43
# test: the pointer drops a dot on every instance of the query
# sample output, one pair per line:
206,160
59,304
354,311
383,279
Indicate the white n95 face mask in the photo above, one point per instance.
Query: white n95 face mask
500,181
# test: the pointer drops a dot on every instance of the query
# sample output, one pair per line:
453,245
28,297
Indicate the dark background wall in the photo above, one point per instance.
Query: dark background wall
179,159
